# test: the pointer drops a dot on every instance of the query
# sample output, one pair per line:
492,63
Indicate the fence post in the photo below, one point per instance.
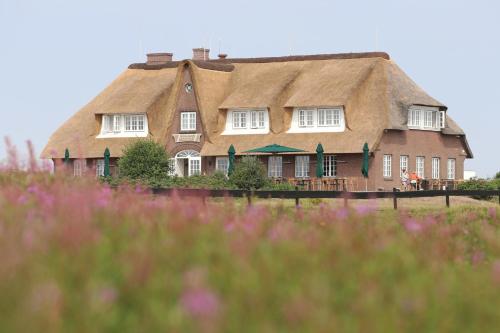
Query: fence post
249,197
297,198
394,198
447,197
344,194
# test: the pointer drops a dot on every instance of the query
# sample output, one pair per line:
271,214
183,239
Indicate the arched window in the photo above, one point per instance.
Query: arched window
187,154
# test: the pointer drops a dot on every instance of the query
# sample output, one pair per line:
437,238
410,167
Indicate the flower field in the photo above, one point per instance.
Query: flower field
76,256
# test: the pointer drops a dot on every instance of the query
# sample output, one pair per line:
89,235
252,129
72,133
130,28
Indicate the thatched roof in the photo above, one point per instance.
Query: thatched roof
374,91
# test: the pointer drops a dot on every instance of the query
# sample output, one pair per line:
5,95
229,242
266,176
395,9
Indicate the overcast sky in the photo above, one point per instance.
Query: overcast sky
56,55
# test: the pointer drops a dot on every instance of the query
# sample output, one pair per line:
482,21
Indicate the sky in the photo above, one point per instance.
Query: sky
56,55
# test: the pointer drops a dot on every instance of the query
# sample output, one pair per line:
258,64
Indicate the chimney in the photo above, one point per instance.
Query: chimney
222,56
201,53
159,58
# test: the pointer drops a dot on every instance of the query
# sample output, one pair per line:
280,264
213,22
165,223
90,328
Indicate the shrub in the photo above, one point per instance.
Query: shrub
249,174
216,181
497,176
279,187
479,184
145,161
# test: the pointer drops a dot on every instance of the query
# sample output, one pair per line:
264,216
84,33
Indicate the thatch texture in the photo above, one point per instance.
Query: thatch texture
373,90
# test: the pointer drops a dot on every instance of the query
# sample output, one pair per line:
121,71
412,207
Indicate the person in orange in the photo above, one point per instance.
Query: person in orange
414,180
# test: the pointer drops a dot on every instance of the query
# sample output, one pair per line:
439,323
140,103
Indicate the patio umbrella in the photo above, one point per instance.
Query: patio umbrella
364,166
66,156
319,158
274,149
107,173
231,152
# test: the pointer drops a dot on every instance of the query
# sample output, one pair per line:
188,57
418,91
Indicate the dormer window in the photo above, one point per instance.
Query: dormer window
246,122
426,118
317,120
123,125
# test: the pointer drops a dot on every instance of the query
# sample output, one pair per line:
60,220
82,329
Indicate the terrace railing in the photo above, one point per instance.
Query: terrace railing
346,196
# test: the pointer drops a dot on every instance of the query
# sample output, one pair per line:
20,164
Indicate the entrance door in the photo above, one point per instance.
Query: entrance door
187,163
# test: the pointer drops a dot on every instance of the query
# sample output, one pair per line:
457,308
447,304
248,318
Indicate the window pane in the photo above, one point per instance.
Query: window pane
274,166
261,119
310,118
301,166
329,166
403,164
387,166
420,166
435,167
222,164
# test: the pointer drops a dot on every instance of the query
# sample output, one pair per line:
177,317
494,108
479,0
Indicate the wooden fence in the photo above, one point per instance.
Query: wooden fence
297,195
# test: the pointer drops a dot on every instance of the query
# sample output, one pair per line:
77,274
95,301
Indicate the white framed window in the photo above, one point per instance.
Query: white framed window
194,166
275,167
134,123
261,121
387,166
451,168
425,117
123,125
442,119
222,164
329,166
403,164
240,119
99,168
79,167
329,117
435,167
117,123
420,166
188,121
306,118
302,166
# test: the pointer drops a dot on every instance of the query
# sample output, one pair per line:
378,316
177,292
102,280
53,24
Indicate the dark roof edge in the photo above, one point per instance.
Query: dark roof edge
226,64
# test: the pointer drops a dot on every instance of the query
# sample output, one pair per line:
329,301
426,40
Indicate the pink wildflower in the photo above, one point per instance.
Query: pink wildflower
413,226
200,303
492,213
342,213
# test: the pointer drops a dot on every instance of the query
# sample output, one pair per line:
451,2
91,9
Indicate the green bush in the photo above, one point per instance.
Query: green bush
145,161
216,181
279,187
497,176
479,184
249,174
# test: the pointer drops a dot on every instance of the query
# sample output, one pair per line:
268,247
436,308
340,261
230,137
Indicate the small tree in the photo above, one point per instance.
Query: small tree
497,176
145,161
249,174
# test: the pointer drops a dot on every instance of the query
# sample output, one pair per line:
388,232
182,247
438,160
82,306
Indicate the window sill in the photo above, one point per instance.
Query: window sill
388,179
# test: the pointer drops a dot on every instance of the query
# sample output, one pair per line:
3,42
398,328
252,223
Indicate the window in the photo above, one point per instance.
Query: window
425,117
257,119
329,166
188,121
275,166
420,166
387,166
194,166
124,125
78,167
222,164
306,118
328,117
451,168
403,164
442,117
134,123
117,123
99,168
172,167
428,119
435,167
301,166
239,119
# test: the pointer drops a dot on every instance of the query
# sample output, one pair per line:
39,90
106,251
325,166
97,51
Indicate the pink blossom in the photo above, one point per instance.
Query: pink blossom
200,303
413,226
342,213
477,257
492,213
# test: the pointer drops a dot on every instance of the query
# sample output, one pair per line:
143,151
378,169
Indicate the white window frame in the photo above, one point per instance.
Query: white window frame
425,118
275,167
99,168
240,119
123,126
302,166
420,166
194,166
403,164
247,121
306,117
442,119
188,121
436,165
329,166
222,164
79,167
329,117
387,166
451,168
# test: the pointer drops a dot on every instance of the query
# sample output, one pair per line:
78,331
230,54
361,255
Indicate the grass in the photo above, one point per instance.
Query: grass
78,257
